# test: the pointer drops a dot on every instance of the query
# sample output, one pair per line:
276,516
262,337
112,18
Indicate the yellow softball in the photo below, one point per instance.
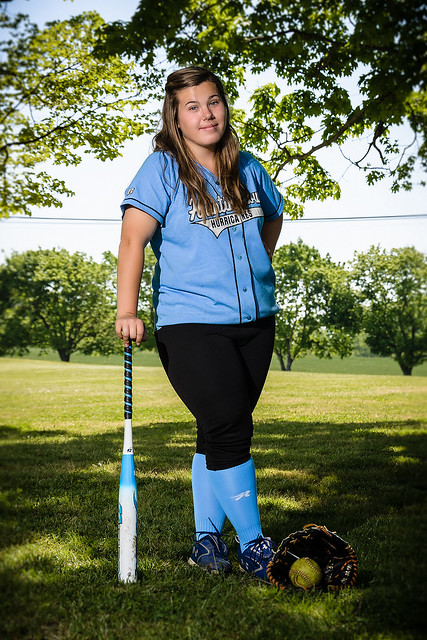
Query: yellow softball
305,573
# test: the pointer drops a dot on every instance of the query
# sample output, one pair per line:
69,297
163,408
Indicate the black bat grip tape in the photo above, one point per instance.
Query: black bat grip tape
128,382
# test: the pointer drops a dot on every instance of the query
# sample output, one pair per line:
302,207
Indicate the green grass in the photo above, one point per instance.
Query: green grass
308,364
343,450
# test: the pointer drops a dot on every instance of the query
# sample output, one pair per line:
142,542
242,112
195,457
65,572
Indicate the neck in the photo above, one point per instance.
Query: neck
206,157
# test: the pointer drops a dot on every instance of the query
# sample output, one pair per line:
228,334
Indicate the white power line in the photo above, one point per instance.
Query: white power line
403,216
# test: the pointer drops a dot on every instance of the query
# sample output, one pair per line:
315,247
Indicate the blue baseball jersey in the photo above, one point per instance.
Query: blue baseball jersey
213,271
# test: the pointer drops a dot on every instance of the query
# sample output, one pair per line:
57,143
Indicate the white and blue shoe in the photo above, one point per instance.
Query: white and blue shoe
256,556
210,553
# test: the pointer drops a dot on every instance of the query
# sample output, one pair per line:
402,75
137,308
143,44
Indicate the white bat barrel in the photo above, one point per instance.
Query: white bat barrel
127,511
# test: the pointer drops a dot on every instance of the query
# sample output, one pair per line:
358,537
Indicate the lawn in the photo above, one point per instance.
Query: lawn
308,364
343,450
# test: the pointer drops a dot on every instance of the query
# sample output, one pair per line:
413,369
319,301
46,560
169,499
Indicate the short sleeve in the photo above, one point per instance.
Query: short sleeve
151,188
270,199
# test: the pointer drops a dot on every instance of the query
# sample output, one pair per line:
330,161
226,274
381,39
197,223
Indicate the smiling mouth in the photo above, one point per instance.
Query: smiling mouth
211,126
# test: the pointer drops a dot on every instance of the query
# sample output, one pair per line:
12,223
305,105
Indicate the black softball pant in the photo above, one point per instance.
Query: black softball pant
219,371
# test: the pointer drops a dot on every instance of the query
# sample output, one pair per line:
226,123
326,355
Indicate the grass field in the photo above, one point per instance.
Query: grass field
343,450
308,364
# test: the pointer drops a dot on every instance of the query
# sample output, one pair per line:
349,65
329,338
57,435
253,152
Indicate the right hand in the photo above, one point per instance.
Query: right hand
129,327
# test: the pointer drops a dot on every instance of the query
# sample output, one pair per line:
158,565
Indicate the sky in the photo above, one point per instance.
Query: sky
99,188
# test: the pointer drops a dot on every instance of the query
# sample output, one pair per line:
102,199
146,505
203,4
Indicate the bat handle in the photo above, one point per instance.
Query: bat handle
128,382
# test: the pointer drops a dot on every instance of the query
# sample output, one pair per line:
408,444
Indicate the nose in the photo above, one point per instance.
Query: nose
207,113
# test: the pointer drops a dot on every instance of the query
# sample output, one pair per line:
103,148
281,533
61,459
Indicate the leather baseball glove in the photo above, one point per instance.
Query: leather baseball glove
334,556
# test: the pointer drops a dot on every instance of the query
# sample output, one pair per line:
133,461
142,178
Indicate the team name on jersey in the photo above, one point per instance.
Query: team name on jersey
224,217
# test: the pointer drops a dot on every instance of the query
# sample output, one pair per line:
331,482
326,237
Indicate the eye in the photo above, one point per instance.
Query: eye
193,108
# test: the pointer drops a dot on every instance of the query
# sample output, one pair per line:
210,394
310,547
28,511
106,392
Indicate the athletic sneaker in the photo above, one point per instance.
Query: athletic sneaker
255,558
210,553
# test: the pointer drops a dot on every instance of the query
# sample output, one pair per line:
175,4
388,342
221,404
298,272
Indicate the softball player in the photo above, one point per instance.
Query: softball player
213,216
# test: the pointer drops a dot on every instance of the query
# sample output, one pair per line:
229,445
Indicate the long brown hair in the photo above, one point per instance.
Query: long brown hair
170,139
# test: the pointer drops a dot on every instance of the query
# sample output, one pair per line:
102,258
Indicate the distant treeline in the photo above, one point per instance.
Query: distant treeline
374,305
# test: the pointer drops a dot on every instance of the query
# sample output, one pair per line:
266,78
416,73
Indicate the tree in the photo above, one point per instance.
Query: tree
59,101
339,70
54,299
319,313
393,287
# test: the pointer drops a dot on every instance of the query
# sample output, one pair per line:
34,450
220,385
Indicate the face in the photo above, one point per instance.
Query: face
201,117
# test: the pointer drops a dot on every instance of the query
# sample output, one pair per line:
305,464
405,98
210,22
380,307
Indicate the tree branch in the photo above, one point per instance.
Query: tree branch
310,35
72,120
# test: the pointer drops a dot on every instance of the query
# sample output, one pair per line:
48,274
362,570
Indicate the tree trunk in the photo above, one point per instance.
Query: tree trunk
407,371
289,362
64,355
282,362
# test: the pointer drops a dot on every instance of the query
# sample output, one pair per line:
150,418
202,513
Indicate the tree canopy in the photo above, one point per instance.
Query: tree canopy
59,101
51,299
327,72
336,70
319,313
54,299
393,286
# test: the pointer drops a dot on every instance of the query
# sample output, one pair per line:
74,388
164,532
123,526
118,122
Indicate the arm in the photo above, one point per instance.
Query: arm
270,234
137,230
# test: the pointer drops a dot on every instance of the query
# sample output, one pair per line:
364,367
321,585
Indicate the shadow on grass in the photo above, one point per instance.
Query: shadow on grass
59,533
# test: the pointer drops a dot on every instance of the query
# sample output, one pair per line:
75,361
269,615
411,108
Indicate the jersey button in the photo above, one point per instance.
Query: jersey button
245,289
240,257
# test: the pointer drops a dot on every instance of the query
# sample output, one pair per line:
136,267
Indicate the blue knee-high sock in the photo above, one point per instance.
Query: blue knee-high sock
236,491
208,513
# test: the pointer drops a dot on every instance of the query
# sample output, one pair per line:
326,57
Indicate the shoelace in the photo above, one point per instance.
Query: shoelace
216,535
259,545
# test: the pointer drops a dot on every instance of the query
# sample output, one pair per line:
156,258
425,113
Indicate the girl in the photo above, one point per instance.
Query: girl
213,216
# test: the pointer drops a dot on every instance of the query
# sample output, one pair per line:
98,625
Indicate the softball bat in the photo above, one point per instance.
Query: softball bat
128,505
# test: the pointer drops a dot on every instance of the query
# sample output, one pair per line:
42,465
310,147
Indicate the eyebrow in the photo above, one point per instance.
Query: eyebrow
214,95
